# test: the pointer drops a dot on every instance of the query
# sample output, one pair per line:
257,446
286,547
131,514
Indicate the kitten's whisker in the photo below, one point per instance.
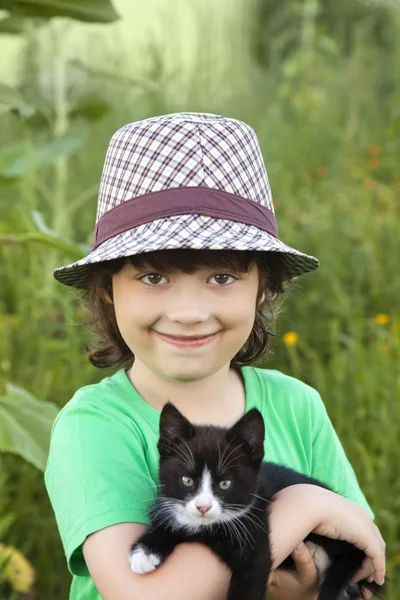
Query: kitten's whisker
261,498
246,531
231,462
223,454
223,467
187,446
238,534
189,460
244,506
258,524
241,527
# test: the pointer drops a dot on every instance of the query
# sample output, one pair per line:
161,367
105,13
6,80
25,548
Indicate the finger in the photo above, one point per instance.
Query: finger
367,571
307,573
375,562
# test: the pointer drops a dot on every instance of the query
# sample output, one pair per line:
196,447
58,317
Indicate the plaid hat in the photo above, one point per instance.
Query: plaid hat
184,180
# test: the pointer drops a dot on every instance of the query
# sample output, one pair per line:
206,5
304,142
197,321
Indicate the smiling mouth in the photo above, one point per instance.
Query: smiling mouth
187,341
188,337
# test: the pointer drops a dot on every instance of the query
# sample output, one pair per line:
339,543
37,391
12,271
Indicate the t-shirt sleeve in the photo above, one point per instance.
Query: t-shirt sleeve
329,461
96,476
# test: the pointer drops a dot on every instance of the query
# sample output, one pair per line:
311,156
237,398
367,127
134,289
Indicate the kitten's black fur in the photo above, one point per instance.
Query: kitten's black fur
185,449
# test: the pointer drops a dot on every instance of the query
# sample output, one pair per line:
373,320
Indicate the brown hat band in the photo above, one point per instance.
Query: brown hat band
182,201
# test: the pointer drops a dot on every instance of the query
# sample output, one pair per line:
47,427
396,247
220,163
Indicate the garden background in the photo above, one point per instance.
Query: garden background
319,82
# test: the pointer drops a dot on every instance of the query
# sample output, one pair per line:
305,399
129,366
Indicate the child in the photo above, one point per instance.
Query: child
185,255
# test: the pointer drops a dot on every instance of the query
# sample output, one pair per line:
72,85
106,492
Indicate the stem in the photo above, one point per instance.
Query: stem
310,11
59,220
60,128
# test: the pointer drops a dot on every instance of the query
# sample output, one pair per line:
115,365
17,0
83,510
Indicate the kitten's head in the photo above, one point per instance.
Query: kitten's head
208,473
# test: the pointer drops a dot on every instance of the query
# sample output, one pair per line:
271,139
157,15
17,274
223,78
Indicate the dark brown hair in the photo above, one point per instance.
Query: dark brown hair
110,349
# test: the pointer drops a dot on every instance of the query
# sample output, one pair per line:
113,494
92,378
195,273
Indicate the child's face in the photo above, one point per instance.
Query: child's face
209,301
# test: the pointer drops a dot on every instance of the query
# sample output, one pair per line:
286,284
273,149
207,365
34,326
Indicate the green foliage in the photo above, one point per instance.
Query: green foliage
25,425
98,11
16,159
326,114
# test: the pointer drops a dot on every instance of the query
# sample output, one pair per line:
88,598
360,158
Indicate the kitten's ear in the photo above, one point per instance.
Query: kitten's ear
174,428
250,430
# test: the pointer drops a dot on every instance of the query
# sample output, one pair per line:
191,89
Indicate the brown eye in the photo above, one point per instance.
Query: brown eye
151,277
188,481
224,276
224,485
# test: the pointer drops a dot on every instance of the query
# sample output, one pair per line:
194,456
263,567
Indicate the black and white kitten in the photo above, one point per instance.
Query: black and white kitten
215,489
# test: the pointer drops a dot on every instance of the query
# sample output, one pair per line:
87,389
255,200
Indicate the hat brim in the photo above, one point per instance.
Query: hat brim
197,232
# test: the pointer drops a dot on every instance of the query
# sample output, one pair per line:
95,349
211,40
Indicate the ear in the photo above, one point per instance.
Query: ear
250,431
173,428
107,297
261,300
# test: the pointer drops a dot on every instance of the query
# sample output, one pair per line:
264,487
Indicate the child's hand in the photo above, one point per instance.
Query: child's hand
301,585
345,520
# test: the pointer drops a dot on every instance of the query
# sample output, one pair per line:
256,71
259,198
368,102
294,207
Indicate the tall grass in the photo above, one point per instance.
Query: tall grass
330,138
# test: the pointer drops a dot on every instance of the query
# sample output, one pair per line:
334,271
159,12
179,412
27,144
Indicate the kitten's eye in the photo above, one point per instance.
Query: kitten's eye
188,481
224,485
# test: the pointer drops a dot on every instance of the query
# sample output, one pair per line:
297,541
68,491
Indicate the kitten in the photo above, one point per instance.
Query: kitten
216,490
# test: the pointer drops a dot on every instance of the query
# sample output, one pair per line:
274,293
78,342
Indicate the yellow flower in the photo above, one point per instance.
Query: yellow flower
291,338
382,319
18,571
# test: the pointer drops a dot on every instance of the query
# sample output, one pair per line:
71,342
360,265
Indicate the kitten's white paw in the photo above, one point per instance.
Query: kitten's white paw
321,559
142,561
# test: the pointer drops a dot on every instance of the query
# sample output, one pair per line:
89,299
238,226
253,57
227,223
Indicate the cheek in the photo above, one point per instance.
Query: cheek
131,313
241,313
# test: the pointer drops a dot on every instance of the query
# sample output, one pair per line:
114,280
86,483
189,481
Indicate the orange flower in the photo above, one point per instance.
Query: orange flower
382,319
291,338
320,171
374,149
374,162
369,183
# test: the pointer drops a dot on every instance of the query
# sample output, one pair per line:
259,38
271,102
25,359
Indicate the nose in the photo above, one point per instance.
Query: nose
187,303
203,509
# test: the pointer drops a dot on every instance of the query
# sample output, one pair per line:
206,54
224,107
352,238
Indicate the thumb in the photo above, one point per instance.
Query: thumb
307,573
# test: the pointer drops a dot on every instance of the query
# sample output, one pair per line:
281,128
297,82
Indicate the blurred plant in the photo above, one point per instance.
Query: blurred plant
16,571
25,425
322,107
28,17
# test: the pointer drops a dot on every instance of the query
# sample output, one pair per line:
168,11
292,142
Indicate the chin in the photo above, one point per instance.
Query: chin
188,372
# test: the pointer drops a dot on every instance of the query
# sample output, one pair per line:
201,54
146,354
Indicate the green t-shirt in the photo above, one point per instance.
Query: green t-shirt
103,462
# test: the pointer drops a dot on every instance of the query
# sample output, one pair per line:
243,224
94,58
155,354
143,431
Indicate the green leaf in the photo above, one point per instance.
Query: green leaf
12,24
50,238
25,425
5,523
11,99
75,251
92,11
38,219
16,159
90,107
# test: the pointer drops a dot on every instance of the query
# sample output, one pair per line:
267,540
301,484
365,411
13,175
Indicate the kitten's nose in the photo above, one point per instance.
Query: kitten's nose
203,509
